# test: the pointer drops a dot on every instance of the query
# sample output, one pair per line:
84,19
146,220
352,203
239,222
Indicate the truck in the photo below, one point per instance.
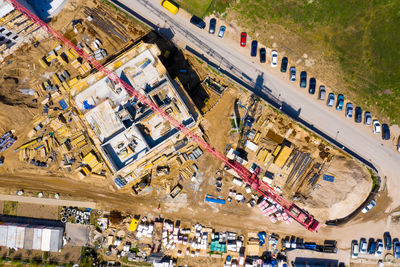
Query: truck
171,6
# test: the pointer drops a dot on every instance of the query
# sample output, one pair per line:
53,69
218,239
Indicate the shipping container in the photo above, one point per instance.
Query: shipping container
20,237
46,238
55,240
3,235
37,238
11,236
28,240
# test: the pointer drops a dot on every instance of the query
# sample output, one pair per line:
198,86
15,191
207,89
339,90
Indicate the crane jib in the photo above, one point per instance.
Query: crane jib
293,210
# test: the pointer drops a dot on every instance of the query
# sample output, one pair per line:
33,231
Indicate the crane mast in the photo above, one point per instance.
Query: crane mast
291,209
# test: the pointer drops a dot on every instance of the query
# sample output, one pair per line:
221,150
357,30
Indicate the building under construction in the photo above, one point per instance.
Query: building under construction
129,134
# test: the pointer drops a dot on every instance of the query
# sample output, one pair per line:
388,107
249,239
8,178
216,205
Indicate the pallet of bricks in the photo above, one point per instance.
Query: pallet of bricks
273,210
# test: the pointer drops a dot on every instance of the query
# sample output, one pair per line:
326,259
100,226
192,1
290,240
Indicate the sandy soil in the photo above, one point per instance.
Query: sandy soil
37,211
351,187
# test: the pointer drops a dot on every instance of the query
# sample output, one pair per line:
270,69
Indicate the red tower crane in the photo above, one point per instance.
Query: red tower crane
300,215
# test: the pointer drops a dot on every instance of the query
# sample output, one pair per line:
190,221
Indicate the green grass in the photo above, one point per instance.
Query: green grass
202,8
361,35
196,7
374,179
10,208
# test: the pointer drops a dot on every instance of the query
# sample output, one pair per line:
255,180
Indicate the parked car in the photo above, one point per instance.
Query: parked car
358,115
376,126
331,100
303,79
371,246
243,38
198,22
363,246
369,206
398,144
292,74
170,6
379,248
387,239
263,55
221,32
213,23
274,58
385,132
367,118
396,248
354,249
349,110
284,64
228,260
340,102
312,85
254,48
322,93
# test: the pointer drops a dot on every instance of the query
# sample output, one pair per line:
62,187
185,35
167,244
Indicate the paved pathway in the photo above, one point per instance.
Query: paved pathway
48,201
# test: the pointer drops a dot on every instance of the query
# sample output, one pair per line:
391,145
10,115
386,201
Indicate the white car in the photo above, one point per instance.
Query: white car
376,126
379,249
363,246
370,206
274,58
354,250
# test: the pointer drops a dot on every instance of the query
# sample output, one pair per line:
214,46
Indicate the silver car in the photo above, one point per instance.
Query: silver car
349,110
331,100
367,118
322,93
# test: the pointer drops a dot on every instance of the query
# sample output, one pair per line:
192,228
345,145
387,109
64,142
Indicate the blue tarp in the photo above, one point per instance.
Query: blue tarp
328,178
86,105
215,200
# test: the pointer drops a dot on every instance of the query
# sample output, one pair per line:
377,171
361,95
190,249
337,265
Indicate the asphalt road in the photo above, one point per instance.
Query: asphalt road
353,138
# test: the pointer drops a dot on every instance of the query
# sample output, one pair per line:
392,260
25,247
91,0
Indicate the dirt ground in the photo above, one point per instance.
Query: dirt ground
350,188
37,211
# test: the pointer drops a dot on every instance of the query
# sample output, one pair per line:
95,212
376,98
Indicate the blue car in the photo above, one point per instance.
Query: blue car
340,102
254,48
396,248
371,246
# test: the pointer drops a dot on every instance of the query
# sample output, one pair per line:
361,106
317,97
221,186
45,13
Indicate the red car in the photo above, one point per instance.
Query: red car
243,37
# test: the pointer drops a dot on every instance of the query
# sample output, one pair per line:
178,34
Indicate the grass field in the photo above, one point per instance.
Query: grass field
10,208
361,36
202,8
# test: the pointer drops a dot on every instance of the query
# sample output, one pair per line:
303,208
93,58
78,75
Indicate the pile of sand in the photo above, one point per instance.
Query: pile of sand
350,188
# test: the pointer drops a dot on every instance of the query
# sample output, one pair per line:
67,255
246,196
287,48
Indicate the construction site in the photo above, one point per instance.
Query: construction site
162,132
